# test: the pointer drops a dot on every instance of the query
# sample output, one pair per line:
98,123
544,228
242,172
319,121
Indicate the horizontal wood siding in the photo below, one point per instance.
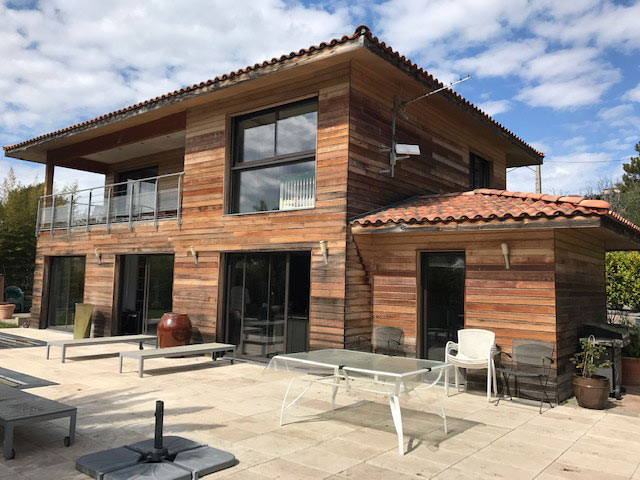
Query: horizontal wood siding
514,303
212,233
443,165
580,295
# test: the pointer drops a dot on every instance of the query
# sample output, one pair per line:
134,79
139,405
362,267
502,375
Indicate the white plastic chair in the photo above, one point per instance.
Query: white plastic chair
474,351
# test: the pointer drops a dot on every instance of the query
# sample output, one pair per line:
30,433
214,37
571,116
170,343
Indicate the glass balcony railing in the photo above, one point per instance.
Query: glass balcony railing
145,200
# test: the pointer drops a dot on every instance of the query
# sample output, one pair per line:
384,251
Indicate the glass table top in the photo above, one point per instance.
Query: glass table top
359,360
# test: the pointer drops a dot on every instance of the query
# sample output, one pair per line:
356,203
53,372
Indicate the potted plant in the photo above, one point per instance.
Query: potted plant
631,358
591,390
6,310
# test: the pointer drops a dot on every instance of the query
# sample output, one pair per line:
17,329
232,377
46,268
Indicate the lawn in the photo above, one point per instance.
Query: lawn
7,325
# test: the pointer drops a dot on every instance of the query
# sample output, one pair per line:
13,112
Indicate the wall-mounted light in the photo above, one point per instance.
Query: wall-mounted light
323,250
505,253
98,256
194,254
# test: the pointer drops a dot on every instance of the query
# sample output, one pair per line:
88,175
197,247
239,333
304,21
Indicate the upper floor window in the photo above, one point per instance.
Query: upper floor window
479,172
274,159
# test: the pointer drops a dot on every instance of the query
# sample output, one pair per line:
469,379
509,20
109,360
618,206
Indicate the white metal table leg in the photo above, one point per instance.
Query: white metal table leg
64,351
48,349
394,403
336,386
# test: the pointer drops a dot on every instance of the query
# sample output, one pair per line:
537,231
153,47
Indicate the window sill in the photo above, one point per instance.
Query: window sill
267,211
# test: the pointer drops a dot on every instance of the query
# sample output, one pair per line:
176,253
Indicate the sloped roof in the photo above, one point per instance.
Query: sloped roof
486,205
204,87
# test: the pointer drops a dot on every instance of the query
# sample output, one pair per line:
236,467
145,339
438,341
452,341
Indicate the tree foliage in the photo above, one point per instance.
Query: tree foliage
631,177
623,280
18,211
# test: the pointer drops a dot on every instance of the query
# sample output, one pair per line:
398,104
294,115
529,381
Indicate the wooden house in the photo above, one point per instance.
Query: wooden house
260,203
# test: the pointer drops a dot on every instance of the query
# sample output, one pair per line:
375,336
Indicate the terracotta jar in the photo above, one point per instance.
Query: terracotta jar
630,371
174,330
6,310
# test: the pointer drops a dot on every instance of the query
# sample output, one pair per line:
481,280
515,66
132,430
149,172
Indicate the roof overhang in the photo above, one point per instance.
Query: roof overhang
616,236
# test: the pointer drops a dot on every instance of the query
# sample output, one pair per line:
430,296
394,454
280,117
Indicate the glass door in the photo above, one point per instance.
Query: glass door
443,275
66,288
268,302
146,292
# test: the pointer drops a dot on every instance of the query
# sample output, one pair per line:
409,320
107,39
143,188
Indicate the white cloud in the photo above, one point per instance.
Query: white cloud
633,94
616,112
566,174
495,107
505,58
80,59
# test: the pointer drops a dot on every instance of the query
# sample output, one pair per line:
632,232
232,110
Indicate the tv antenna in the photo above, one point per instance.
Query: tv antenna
401,151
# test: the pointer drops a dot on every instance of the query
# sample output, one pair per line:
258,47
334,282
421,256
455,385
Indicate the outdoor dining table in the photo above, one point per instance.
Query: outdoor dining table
351,370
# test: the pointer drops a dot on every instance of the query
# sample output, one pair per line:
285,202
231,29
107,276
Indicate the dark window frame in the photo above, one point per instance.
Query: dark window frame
487,168
238,165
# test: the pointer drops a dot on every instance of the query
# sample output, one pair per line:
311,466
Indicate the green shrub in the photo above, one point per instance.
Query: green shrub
623,280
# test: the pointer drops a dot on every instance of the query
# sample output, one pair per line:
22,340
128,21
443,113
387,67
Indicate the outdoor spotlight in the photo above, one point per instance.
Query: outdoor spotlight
98,256
323,250
407,149
194,254
505,252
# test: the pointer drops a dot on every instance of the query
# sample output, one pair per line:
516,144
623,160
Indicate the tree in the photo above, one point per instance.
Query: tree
623,280
631,177
18,211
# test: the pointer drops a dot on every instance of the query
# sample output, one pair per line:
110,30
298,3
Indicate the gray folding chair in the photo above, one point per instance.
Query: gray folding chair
530,360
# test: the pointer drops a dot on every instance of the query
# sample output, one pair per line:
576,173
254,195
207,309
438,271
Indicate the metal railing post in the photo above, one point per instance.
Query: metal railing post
133,189
179,206
109,210
155,205
70,216
89,209
53,213
38,217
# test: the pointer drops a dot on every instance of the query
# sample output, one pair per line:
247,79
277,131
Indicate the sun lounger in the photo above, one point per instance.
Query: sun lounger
86,342
201,348
21,408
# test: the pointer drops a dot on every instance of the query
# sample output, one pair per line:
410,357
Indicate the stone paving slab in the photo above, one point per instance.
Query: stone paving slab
237,408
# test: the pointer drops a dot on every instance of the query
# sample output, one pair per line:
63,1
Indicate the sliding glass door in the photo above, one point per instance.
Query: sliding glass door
267,302
66,288
443,276
146,291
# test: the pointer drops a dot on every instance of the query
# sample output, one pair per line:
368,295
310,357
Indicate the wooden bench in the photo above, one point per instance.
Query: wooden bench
86,342
200,348
22,408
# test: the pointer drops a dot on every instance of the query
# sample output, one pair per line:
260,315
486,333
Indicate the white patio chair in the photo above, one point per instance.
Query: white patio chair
474,351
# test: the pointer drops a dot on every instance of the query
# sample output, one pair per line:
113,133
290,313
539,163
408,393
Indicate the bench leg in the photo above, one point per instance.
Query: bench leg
140,347
72,428
48,350
8,442
64,352
233,358
140,367
121,359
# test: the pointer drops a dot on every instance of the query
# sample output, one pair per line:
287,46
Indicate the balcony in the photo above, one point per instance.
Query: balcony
146,200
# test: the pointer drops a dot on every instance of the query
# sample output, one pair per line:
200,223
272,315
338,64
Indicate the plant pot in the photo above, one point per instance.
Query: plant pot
6,310
630,371
591,392
174,330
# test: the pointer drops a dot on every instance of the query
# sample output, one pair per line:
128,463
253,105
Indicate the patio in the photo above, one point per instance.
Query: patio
237,408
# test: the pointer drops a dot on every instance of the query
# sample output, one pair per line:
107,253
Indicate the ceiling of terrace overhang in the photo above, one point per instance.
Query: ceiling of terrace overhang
163,143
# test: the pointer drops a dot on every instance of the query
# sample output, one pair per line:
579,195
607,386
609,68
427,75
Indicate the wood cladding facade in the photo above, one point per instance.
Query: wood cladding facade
369,280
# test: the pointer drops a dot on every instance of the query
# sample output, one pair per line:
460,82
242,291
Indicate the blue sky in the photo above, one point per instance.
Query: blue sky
565,76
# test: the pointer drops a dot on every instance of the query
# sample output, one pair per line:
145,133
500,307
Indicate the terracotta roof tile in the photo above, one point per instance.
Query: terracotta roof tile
486,204
361,31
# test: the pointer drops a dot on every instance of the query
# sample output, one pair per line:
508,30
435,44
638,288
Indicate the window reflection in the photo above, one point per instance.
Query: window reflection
283,140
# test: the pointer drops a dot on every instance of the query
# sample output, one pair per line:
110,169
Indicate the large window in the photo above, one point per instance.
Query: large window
66,288
274,164
479,172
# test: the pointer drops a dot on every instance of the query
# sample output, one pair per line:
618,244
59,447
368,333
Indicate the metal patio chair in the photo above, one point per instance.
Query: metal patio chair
530,359
387,340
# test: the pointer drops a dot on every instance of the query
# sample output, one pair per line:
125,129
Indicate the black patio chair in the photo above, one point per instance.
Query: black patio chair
387,340
530,359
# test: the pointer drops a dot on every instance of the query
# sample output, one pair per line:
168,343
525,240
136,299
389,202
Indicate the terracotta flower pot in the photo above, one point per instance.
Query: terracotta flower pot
6,310
630,371
591,392
174,330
